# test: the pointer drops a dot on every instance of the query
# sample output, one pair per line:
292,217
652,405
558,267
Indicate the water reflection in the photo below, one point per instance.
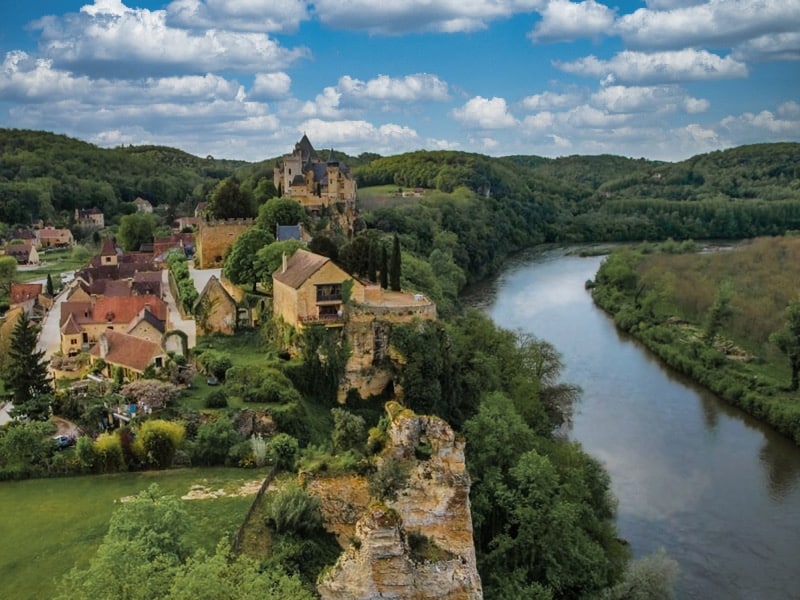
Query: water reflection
717,489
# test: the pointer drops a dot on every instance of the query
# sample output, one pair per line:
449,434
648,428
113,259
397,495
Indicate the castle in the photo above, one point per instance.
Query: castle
320,186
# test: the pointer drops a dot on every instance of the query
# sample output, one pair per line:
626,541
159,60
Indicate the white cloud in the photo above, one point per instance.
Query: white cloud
542,121
657,67
403,16
107,39
790,110
269,86
27,79
240,15
325,105
191,87
411,88
639,99
753,126
560,142
548,100
715,22
485,113
563,20
346,134
772,47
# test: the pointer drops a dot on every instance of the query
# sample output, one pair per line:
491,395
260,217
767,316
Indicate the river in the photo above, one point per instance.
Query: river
714,488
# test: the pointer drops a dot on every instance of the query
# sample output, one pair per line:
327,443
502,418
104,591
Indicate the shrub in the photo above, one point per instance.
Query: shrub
108,457
214,441
391,476
293,510
349,431
215,362
216,399
283,450
157,441
260,450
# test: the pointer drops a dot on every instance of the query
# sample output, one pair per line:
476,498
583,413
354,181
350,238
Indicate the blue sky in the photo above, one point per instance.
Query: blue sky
661,79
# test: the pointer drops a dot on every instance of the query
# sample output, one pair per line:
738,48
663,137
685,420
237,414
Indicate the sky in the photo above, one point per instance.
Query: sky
245,79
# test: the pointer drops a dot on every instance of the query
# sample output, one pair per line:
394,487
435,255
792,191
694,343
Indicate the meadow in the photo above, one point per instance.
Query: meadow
51,525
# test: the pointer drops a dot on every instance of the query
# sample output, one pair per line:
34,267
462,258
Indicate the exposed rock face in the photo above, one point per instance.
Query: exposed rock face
418,545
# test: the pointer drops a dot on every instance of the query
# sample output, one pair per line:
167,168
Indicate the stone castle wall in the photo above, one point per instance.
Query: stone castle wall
215,237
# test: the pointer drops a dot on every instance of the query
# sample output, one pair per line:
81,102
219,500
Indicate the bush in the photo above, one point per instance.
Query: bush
283,450
157,442
216,399
391,476
215,362
293,510
214,441
108,457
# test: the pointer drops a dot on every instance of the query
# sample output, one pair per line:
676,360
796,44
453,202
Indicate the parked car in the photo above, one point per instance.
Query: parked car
63,441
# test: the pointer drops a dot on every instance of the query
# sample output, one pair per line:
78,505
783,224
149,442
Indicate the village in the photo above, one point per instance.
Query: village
120,318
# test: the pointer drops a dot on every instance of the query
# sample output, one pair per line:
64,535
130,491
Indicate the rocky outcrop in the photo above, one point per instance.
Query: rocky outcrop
418,543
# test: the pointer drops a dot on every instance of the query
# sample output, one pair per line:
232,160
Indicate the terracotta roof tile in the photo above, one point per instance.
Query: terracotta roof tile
22,292
70,327
127,351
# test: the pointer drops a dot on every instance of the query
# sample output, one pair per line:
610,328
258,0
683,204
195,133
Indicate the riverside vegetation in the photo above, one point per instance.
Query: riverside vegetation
729,319
541,508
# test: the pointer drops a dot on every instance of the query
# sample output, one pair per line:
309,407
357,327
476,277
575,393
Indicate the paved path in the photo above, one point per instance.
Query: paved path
176,321
50,335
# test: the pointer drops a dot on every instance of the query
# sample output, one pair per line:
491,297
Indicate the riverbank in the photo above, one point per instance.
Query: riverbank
754,384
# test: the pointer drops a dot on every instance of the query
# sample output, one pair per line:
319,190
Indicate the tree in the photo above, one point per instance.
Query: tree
48,288
213,442
241,265
270,258
384,268
153,393
8,271
26,376
146,542
349,431
280,211
788,340
394,265
135,230
157,442
229,201
719,312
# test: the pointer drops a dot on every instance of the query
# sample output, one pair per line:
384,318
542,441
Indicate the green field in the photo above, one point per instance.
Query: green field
53,263
383,196
50,525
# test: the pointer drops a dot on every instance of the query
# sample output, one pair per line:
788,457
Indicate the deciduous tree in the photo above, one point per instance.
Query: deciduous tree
788,340
241,264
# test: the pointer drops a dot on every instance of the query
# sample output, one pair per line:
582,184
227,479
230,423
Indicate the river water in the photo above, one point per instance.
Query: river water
717,490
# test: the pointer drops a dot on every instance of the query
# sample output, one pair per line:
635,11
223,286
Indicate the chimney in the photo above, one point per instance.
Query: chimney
284,263
103,345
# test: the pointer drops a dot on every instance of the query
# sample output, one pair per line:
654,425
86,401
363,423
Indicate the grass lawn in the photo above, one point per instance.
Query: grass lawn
53,263
382,196
50,525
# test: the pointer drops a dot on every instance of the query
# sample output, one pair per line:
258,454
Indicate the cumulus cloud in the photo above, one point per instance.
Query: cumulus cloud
269,86
753,126
657,67
548,100
773,47
563,20
404,16
345,134
325,105
411,88
28,79
715,22
485,113
638,99
240,15
107,38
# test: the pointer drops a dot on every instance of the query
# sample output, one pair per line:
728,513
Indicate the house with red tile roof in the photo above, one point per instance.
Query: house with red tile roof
100,315
25,295
127,352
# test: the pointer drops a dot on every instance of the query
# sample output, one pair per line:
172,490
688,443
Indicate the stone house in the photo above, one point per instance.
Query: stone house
90,218
82,322
24,253
50,237
307,288
216,310
129,353
143,206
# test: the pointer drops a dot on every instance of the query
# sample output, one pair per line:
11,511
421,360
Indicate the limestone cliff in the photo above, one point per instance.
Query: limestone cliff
416,543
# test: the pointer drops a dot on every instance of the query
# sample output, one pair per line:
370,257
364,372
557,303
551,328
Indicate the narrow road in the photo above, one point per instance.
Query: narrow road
176,321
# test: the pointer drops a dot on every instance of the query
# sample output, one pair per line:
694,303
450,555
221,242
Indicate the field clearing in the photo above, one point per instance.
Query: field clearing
384,196
51,525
